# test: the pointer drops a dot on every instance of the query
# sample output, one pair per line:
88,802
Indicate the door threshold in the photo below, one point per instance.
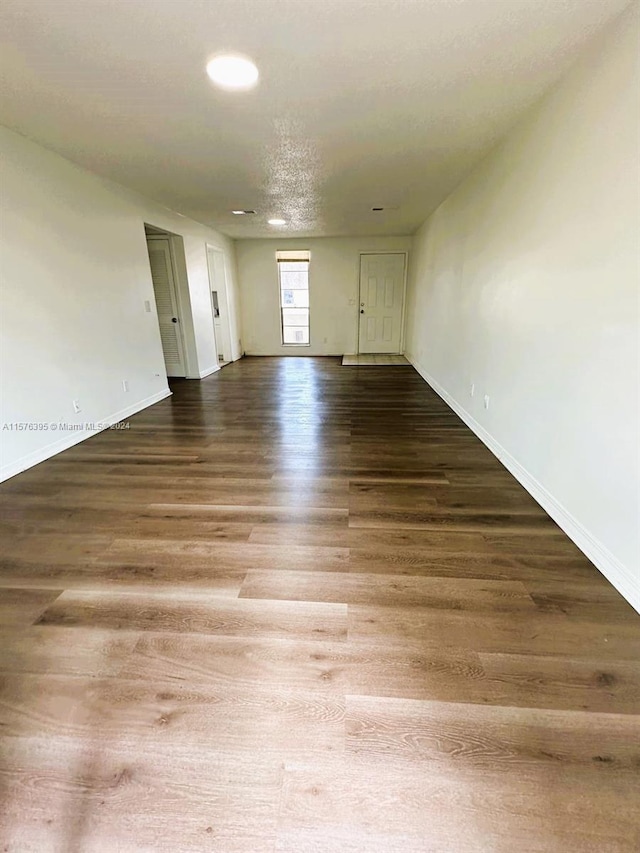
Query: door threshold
373,359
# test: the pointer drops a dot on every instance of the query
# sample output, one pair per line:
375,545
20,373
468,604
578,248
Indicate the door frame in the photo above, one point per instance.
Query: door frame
223,306
404,252
178,298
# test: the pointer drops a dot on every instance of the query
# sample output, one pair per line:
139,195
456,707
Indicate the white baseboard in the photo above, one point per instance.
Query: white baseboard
208,371
56,447
615,572
294,352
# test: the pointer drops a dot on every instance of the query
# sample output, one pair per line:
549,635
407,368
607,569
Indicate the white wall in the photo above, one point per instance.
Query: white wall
334,273
525,282
75,276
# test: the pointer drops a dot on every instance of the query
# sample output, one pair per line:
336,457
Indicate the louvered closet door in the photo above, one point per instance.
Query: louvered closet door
164,287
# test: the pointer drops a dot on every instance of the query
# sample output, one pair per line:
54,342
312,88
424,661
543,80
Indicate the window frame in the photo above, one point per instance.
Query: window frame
294,257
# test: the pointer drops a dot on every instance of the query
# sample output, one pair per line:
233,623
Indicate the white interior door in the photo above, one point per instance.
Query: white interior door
164,287
381,299
218,280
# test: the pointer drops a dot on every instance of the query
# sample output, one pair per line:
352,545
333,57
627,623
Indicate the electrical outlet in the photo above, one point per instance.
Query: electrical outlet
486,401
125,384
472,390
76,406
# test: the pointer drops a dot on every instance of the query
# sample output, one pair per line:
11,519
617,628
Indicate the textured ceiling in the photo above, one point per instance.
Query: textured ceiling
361,103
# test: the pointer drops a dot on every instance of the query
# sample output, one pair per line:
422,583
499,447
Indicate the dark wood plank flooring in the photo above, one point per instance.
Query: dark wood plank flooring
300,607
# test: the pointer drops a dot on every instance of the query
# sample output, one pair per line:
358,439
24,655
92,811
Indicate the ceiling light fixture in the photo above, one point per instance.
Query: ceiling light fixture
277,222
232,72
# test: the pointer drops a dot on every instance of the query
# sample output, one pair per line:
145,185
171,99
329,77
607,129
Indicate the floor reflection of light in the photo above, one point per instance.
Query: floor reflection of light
300,419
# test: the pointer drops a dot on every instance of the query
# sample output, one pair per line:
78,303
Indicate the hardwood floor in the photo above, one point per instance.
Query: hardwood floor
300,607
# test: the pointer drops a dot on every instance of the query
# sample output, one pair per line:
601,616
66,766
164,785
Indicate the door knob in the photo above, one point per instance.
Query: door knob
174,319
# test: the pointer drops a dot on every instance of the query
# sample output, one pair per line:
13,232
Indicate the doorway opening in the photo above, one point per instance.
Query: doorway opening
164,274
219,304
381,303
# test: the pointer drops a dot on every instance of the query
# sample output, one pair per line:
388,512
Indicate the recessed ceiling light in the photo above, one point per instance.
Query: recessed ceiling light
277,222
232,72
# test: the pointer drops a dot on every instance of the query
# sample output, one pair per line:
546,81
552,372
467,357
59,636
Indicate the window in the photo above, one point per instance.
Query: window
293,276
